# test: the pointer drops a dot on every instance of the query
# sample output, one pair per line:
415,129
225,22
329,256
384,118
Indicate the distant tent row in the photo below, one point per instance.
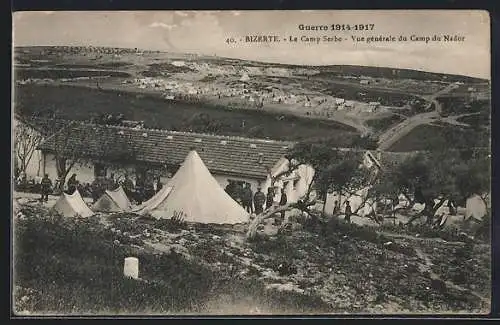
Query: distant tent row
193,192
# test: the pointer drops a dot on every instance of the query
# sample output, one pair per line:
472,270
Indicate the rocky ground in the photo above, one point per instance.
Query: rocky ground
346,268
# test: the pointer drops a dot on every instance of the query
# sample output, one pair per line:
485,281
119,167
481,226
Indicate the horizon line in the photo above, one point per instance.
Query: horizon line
248,60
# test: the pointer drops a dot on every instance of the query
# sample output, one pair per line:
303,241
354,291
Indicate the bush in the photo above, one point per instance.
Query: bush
175,224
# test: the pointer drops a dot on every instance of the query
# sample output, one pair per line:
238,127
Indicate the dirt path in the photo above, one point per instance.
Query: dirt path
392,135
425,239
427,267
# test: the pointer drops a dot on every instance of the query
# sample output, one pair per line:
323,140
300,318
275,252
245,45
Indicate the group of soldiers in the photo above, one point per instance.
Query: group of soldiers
255,202
139,192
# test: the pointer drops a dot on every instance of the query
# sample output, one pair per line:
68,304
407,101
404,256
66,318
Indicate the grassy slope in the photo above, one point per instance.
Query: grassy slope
74,267
79,103
429,137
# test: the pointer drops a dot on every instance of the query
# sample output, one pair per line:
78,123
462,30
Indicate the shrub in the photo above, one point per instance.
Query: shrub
175,224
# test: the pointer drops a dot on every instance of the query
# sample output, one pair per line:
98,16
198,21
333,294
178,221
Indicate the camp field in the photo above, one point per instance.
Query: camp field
205,261
80,103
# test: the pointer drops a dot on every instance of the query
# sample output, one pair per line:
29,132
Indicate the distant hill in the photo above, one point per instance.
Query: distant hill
325,70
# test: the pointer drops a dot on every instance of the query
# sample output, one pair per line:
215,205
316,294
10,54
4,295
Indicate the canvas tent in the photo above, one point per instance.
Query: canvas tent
194,192
244,77
72,205
113,201
475,208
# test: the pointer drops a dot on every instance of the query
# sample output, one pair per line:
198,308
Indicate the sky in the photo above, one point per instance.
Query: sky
205,32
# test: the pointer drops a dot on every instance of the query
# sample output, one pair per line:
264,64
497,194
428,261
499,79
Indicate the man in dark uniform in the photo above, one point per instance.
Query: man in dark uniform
111,183
336,207
283,201
72,184
348,212
269,198
258,200
128,185
97,188
230,188
46,188
247,198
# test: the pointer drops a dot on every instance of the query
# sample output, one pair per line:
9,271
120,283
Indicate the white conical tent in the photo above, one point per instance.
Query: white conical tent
197,195
475,208
72,205
113,201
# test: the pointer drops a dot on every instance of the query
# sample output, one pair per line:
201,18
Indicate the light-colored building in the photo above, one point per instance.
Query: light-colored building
149,153
31,133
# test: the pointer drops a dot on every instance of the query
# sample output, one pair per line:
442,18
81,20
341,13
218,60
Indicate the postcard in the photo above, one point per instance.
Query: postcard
307,162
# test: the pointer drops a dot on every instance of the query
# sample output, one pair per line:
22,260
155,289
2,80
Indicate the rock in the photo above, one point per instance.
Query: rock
284,287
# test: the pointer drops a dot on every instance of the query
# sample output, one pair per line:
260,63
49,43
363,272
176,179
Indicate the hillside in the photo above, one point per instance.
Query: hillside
204,269
239,97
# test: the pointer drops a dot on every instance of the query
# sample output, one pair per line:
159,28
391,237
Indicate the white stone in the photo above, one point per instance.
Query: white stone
131,267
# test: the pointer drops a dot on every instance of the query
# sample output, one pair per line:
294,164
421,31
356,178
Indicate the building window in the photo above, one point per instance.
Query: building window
99,170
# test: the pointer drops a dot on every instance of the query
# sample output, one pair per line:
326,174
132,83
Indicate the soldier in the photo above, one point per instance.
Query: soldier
269,198
336,207
111,183
96,189
230,188
72,184
247,198
128,185
259,199
283,201
348,212
46,188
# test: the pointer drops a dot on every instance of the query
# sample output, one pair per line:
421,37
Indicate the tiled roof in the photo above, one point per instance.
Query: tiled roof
222,154
45,126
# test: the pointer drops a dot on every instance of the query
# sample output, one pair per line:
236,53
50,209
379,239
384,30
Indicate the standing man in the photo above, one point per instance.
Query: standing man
230,189
269,197
336,207
283,201
72,184
247,196
46,188
128,185
348,212
111,183
258,200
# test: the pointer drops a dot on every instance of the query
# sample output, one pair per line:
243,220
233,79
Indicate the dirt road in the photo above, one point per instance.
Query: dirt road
392,135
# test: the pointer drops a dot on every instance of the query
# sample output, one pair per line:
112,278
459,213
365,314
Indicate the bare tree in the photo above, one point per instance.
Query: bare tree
26,141
334,169
85,143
